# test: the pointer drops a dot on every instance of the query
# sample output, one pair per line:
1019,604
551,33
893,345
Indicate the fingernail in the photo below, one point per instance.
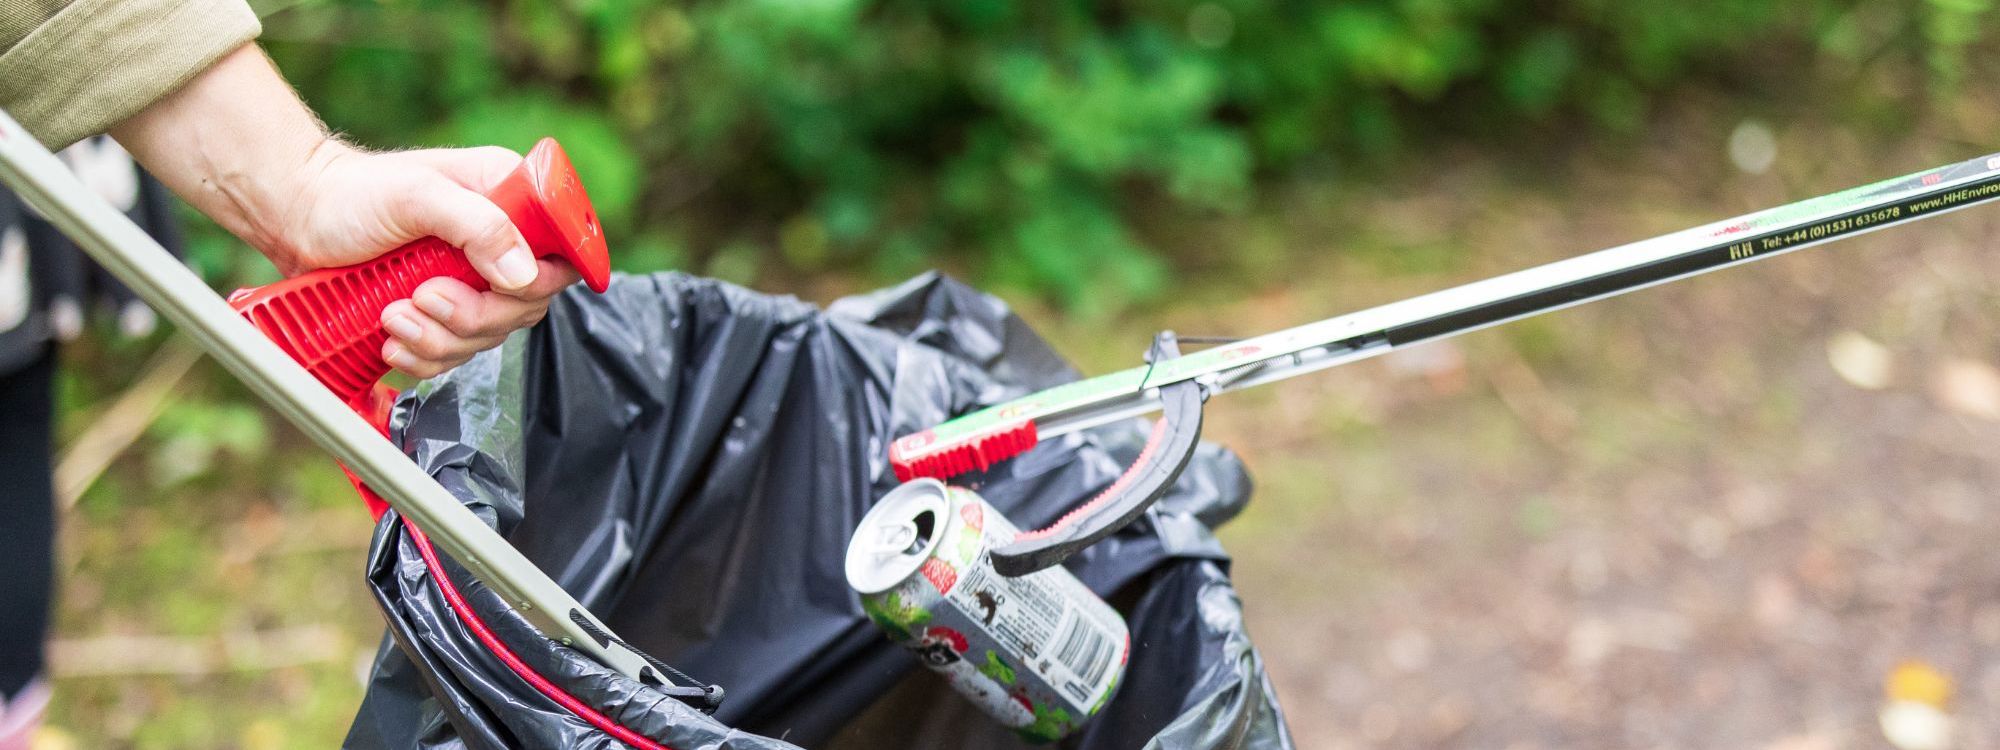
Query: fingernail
402,327
397,356
435,304
517,267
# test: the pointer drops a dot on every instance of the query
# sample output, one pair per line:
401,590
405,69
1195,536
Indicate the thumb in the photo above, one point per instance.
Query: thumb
468,221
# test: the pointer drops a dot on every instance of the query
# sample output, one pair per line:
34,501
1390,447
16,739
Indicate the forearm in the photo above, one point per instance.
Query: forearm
234,142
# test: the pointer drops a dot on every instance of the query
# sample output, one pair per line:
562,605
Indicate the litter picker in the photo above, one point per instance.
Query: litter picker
336,312
1182,384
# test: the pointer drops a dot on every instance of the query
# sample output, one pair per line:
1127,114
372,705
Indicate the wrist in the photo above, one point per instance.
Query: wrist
274,197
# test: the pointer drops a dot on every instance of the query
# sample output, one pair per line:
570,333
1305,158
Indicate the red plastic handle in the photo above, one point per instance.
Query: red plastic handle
330,319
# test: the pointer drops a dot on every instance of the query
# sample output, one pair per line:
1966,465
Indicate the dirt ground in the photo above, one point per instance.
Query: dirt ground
1712,514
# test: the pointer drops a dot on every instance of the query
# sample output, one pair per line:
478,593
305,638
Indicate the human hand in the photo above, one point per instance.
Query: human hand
350,206
237,143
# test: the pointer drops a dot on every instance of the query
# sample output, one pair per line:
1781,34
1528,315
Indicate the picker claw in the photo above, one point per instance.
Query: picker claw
1167,452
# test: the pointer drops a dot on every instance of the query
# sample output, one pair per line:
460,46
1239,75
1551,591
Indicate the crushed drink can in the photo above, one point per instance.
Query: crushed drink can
1040,653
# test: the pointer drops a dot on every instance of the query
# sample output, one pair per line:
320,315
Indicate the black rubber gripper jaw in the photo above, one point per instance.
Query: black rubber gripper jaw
1167,452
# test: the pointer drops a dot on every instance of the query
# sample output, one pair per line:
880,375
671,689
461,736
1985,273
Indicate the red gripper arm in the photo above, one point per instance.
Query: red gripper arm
330,319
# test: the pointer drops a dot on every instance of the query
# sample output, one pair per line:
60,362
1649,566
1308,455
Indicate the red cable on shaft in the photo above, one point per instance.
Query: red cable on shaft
507,656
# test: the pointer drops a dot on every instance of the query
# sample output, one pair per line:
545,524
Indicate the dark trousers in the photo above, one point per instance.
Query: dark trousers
27,519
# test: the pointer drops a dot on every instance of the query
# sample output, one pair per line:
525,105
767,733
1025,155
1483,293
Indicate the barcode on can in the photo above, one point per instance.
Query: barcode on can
1086,651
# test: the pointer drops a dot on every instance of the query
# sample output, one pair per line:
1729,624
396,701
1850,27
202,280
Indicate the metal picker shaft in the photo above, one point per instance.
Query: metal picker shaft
1183,383
977,440
125,250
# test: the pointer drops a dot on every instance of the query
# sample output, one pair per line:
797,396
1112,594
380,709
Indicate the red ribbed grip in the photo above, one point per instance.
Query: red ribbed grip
329,320
918,455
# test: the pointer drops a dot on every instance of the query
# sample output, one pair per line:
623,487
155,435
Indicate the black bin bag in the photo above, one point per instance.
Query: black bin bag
688,458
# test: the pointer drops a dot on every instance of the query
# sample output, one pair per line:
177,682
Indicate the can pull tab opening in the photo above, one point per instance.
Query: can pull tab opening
907,538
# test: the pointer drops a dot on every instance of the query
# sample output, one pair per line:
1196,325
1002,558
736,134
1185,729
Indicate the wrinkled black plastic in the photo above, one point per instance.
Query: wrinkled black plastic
689,458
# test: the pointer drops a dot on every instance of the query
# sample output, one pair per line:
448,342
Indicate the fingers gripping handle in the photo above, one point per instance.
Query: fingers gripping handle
330,319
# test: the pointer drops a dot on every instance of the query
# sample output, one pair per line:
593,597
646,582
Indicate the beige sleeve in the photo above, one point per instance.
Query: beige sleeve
74,68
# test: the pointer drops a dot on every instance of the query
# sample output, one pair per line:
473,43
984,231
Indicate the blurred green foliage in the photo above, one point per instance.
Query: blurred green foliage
1018,140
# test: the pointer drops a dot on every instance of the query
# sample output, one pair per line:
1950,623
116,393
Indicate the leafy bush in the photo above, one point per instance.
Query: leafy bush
1018,139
